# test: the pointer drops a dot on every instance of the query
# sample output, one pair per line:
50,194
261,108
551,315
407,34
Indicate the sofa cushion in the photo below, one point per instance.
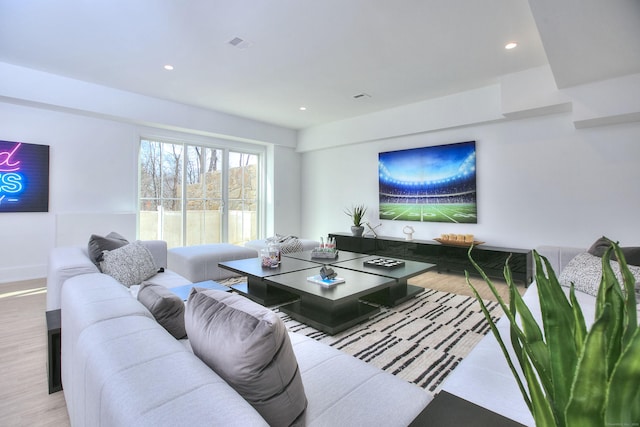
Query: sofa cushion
585,272
248,346
129,264
167,308
631,253
98,244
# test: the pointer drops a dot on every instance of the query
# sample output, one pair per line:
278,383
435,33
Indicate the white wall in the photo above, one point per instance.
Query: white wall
93,160
540,180
287,189
92,169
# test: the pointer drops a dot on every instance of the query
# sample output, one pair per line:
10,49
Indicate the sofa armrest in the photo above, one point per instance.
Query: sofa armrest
158,249
65,262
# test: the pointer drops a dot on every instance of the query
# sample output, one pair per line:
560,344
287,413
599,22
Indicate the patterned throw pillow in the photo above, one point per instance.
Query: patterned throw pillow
585,272
129,264
287,244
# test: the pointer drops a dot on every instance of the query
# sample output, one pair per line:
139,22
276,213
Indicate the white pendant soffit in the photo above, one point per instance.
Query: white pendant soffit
589,40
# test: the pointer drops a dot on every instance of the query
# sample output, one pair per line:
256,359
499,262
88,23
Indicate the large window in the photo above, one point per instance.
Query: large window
192,195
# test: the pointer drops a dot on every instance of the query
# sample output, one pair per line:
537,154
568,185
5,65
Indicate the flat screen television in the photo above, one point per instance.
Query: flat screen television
24,177
429,184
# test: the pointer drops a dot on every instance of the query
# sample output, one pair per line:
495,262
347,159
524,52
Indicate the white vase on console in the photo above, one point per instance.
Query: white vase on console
408,231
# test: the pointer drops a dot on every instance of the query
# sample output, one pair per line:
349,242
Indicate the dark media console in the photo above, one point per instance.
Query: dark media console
447,258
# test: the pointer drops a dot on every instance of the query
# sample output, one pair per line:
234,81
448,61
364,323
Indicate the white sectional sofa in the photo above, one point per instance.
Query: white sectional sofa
122,368
69,261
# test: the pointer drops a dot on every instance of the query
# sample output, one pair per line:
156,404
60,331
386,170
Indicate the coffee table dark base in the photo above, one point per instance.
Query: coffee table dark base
259,292
394,295
327,321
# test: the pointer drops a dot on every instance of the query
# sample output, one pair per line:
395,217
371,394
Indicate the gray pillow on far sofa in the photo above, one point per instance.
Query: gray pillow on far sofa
97,244
130,265
249,347
631,253
167,308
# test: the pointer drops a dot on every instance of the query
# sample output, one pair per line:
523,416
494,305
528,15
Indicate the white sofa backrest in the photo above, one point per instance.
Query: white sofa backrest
69,261
559,256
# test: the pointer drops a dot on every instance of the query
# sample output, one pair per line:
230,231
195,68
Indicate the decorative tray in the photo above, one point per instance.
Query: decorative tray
325,283
458,242
383,263
315,253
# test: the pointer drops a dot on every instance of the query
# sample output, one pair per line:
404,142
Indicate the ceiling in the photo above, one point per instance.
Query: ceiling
318,54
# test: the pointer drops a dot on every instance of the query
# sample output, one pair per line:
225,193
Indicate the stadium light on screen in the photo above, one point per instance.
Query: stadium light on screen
429,184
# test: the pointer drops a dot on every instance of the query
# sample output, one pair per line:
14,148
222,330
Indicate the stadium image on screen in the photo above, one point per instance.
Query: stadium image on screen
429,184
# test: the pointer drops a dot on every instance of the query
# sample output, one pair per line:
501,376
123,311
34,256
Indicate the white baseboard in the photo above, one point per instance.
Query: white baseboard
29,272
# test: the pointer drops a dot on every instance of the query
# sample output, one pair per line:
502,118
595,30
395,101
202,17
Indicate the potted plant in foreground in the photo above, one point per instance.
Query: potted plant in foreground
575,377
357,215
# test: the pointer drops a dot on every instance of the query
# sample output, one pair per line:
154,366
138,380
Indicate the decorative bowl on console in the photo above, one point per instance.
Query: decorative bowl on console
464,240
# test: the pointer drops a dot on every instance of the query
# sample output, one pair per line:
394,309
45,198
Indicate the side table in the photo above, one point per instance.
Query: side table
54,346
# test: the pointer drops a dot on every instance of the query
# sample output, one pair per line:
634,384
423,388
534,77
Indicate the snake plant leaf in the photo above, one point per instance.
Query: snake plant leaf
610,294
543,411
580,333
558,322
629,282
600,367
498,337
529,335
588,393
623,399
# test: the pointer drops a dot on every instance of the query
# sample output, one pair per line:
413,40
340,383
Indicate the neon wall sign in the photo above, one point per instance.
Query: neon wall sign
24,177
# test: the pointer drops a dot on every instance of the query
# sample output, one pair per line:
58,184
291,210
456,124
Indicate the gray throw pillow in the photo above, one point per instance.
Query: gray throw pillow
585,272
98,244
249,347
167,308
631,253
129,264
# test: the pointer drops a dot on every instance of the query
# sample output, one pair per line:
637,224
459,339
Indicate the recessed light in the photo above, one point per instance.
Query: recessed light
168,67
510,45
303,108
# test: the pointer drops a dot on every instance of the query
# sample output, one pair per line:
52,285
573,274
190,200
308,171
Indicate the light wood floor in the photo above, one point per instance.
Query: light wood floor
24,394
24,398
457,284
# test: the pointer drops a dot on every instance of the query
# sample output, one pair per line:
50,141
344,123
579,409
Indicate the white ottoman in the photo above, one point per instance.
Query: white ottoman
199,263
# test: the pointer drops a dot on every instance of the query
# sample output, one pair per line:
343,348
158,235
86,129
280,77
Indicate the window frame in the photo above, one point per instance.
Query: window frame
227,147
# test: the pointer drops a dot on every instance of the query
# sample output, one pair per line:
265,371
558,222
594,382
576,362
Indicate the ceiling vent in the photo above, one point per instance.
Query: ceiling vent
361,96
239,43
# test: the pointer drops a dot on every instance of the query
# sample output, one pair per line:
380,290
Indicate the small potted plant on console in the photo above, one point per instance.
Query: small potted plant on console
357,215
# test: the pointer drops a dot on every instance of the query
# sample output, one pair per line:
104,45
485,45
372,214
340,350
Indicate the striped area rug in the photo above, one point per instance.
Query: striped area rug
421,340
